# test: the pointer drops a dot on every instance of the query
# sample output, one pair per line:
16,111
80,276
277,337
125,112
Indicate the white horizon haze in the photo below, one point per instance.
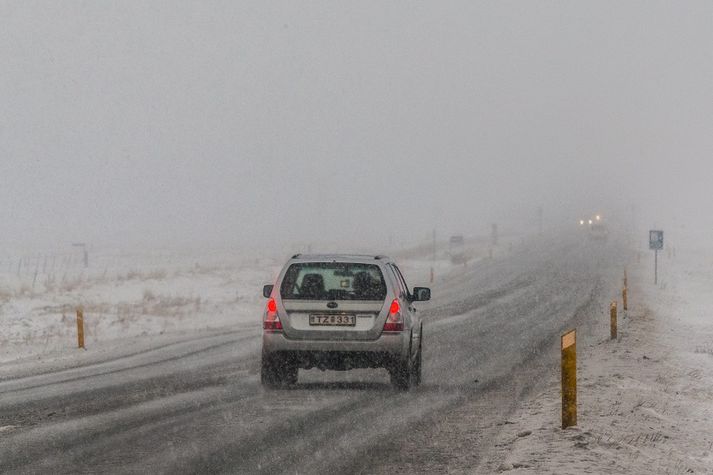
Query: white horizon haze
171,123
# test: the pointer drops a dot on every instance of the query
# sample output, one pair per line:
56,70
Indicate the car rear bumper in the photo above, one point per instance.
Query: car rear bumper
331,354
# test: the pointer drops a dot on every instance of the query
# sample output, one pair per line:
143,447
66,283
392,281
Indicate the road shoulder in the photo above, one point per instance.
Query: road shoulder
645,403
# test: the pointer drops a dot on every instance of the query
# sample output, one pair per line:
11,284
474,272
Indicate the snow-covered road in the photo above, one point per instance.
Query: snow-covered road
194,404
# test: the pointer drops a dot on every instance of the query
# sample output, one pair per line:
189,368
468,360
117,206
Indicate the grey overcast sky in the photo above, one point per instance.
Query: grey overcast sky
169,122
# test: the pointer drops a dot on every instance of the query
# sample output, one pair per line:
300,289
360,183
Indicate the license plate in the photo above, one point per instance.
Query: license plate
333,320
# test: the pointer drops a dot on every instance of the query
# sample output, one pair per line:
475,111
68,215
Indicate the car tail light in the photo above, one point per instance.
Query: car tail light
271,321
394,321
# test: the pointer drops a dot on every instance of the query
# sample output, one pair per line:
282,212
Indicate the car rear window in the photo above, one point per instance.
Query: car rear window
333,281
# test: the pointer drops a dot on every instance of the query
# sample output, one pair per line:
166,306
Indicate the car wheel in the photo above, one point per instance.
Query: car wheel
289,374
277,372
269,374
401,375
417,367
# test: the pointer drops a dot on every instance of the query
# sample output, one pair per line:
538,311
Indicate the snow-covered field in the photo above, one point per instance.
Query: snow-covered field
645,401
147,295
125,295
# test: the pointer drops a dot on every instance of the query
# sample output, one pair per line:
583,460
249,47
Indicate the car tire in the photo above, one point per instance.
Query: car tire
400,373
290,374
276,372
418,365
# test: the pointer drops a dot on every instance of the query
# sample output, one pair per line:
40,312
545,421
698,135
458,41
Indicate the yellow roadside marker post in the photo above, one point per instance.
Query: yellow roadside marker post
80,327
569,379
612,317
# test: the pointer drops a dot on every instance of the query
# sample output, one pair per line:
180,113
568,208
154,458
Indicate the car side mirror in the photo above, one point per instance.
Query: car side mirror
267,291
421,294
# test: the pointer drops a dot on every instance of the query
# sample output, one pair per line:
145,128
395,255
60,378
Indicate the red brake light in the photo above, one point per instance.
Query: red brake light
394,321
271,320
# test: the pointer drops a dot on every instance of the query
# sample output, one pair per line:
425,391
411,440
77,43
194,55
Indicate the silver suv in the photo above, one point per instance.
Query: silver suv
341,312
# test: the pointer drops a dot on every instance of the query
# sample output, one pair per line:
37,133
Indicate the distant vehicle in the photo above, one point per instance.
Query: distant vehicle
340,312
598,231
456,249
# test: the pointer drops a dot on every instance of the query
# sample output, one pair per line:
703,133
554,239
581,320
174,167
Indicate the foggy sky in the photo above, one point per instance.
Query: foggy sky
165,122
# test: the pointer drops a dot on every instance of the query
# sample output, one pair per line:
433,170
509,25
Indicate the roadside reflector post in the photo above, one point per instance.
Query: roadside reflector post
624,298
80,327
612,317
569,379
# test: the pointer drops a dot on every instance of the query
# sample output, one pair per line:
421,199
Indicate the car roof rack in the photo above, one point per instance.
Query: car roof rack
377,257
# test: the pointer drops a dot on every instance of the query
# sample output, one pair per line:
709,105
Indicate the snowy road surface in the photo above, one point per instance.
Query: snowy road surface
196,405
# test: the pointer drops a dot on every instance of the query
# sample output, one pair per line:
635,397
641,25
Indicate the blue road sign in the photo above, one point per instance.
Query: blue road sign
655,240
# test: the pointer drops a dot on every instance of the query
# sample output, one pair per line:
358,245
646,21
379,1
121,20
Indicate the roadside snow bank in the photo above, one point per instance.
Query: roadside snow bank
645,402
